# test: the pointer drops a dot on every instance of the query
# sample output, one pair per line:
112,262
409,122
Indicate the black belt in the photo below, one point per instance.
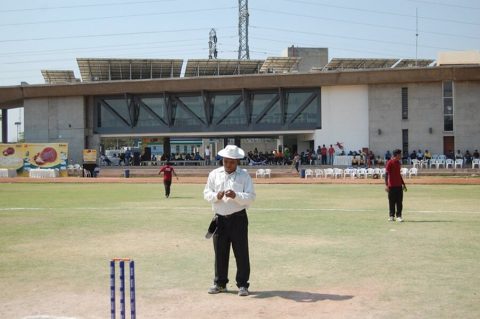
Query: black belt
236,214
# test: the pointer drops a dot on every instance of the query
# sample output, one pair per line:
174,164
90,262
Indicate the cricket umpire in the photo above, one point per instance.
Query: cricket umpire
230,191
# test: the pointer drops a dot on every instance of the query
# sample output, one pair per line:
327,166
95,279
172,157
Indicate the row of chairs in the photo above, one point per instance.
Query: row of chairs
356,172
444,162
77,170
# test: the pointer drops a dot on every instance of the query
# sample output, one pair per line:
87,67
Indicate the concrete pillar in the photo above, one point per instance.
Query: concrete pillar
4,126
280,143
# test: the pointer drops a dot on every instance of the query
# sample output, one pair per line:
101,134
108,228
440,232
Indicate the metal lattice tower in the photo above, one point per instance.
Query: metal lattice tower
243,51
212,44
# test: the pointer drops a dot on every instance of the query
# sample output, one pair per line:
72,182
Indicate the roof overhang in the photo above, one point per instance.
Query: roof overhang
15,95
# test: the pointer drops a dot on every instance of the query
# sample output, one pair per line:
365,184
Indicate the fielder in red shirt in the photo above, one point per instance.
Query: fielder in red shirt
167,171
395,186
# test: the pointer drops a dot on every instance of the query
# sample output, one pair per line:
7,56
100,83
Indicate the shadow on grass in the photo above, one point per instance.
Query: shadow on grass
299,296
429,221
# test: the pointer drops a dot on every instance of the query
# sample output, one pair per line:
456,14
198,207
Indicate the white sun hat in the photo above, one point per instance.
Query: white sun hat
232,151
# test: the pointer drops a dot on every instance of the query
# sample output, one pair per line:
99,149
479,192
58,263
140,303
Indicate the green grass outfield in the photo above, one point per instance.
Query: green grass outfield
316,241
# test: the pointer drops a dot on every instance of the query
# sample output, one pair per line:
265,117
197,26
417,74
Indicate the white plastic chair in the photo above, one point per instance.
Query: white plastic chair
459,163
382,172
370,172
449,162
350,172
424,163
415,162
412,171
440,162
260,172
327,172
268,172
318,172
308,172
404,171
337,172
361,172
476,162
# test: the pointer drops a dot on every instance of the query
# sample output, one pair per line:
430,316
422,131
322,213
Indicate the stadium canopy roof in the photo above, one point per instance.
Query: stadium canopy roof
59,76
411,63
213,67
128,69
359,64
354,64
280,64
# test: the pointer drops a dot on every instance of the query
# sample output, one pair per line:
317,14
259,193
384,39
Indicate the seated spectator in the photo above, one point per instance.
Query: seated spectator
458,155
106,160
468,157
427,155
388,156
419,155
476,155
450,155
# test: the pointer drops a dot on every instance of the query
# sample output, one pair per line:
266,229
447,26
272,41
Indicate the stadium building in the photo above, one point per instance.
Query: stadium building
301,100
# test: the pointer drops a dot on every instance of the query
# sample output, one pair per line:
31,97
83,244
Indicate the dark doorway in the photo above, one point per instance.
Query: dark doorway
448,144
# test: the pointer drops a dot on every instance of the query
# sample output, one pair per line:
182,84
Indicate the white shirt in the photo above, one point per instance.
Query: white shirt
239,181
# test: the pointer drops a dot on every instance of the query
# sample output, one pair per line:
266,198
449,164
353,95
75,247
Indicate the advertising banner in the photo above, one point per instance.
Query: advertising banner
11,156
90,156
23,157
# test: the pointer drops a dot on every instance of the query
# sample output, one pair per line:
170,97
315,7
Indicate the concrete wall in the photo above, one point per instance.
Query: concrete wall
56,120
425,111
311,57
466,117
344,117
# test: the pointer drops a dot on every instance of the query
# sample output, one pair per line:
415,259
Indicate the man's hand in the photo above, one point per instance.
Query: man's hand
404,187
230,194
220,195
386,188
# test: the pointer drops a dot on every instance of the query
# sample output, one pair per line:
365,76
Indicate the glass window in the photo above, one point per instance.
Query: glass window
297,100
448,106
405,142
222,103
404,103
447,89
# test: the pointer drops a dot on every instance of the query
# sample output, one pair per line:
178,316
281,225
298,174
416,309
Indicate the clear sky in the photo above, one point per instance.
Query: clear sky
51,34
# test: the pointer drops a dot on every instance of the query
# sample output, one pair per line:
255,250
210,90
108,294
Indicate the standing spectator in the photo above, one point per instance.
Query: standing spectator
324,154
296,162
319,154
331,153
207,155
394,186
167,171
230,191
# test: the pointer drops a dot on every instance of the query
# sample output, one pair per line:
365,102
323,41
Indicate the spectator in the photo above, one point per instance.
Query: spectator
331,153
476,155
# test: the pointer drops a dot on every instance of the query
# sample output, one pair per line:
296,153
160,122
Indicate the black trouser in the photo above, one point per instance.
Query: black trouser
232,230
167,185
395,198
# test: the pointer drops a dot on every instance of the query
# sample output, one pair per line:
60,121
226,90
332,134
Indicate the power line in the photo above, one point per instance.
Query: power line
114,17
345,37
380,12
363,23
83,6
104,35
436,3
